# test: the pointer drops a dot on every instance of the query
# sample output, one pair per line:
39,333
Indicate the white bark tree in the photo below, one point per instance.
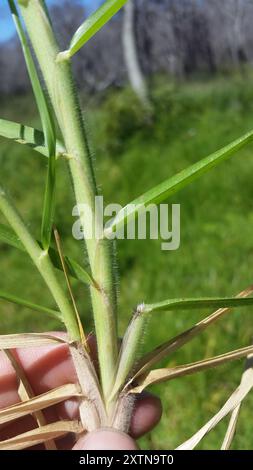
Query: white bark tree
133,67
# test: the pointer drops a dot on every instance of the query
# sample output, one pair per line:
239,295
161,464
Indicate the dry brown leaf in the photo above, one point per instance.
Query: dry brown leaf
92,410
39,402
177,342
29,340
161,375
234,400
25,392
41,435
235,414
231,428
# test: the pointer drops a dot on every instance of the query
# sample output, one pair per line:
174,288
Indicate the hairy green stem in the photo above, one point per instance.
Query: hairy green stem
59,82
42,261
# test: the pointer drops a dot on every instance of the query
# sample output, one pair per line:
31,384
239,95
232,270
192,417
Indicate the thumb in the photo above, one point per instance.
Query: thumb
105,439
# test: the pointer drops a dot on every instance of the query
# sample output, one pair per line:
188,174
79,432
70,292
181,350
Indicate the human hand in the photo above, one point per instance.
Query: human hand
48,367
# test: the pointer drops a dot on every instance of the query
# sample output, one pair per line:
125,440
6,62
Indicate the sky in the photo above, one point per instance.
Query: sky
7,28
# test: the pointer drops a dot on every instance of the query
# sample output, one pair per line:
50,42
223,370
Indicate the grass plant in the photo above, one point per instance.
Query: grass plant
104,396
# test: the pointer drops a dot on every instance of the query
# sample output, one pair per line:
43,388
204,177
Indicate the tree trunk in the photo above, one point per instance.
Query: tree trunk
135,75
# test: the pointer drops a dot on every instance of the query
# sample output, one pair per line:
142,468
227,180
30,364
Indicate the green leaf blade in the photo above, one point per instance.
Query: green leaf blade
134,332
94,23
26,303
49,204
41,100
26,135
194,304
8,236
173,344
174,184
48,129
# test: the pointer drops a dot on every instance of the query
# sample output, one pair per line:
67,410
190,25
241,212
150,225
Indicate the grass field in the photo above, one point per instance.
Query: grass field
216,253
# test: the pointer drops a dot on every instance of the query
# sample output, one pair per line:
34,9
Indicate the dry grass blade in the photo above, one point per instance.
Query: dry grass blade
177,342
41,435
231,404
235,414
231,428
162,375
25,392
39,402
91,407
29,340
64,268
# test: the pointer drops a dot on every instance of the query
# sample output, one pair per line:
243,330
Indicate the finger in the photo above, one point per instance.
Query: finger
45,367
51,366
106,439
147,414
28,423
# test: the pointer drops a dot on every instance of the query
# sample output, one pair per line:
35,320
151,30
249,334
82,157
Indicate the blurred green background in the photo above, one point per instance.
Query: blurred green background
216,253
